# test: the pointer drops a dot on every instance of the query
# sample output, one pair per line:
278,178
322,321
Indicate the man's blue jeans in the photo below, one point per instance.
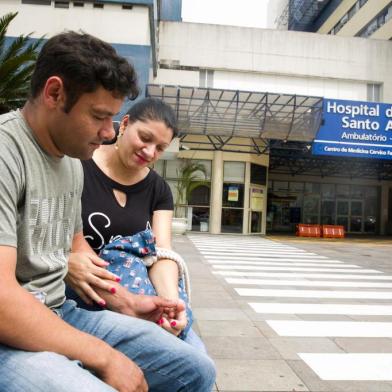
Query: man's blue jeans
167,362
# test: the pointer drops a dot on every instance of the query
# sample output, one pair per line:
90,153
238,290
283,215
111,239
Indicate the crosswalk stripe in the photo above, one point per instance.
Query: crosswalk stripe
263,254
253,250
313,293
258,258
277,264
365,329
337,309
304,269
306,283
350,367
302,275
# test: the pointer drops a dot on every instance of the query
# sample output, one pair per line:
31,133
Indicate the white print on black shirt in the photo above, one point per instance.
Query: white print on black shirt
90,237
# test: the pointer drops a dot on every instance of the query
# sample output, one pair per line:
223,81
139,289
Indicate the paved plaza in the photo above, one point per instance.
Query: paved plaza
282,313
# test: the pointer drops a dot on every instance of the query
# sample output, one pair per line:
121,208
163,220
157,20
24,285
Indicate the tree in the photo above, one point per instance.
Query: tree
17,62
189,178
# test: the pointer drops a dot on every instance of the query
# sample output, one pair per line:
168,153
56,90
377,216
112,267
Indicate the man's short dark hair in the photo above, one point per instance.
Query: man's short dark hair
84,63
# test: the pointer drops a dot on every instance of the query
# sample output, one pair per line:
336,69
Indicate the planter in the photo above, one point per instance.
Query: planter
179,225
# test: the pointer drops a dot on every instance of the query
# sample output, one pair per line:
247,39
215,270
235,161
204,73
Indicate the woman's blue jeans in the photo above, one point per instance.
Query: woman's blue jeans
167,362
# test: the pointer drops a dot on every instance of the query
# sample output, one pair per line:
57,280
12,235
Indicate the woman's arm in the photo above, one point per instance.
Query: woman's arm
164,273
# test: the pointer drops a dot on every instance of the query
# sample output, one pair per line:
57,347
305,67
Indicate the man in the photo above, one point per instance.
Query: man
47,343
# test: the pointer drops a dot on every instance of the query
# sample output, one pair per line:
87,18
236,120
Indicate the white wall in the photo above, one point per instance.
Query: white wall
247,81
328,88
112,23
177,78
330,66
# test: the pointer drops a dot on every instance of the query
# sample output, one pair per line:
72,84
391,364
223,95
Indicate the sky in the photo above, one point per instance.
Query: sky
247,13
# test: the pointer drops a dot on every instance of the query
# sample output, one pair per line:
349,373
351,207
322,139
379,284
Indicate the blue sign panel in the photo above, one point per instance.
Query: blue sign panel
355,129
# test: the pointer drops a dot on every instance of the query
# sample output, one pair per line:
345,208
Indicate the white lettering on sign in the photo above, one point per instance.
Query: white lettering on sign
353,110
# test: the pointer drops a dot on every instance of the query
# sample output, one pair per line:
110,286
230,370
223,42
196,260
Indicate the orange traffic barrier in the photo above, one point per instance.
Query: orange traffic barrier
332,231
305,230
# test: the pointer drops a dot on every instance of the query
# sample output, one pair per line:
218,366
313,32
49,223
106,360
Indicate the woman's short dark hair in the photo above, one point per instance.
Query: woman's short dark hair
152,109
84,63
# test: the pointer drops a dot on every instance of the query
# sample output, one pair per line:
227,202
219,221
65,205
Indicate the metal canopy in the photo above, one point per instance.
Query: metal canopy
280,125
224,113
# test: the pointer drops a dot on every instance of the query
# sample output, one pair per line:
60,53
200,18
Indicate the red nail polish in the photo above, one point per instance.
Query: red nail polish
160,321
113,290
118,280
173,323
102,303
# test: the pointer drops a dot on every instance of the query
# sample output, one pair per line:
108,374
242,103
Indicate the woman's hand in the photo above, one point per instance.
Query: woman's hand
176,322
86,270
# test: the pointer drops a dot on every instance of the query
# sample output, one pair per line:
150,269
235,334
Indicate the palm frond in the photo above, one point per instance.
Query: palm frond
189,179
5,21
17,61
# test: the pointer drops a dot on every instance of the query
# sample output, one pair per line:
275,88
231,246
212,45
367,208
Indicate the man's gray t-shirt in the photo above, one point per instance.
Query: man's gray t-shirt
39,208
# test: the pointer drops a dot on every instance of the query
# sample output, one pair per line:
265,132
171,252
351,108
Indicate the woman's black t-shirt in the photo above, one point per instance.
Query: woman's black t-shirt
104,218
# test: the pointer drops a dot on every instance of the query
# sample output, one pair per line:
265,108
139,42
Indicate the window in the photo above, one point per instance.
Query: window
374,92
347,16
234,172
36,2
258,174
233,195
206,78
158,167
207,167
98,5
61,4
200,196
231,221
281,185
173,168
296,187
342,191
378,21
328,191
78,4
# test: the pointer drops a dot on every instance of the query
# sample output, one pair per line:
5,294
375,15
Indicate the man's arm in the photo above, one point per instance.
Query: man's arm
27,324
86,271
86,274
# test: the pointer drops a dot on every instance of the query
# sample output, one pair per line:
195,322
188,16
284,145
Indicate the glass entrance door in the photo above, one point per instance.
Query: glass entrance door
349,213
342,213
356,216
256,204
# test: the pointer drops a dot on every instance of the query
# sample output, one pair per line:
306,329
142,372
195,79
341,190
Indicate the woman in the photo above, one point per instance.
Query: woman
121,196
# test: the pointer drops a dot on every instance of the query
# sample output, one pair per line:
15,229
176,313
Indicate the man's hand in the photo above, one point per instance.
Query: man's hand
149,308
123,374
86,270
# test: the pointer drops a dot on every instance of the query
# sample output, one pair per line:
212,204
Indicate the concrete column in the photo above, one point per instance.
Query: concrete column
216,193
384,207
264,218
245,221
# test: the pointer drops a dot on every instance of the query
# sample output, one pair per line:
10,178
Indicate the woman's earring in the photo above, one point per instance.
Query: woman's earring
118,137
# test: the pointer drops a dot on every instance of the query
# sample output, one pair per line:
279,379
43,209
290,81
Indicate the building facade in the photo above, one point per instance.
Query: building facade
347,18
249,103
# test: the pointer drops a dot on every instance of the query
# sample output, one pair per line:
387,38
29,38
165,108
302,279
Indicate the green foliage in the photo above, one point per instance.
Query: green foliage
188,180
16,66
